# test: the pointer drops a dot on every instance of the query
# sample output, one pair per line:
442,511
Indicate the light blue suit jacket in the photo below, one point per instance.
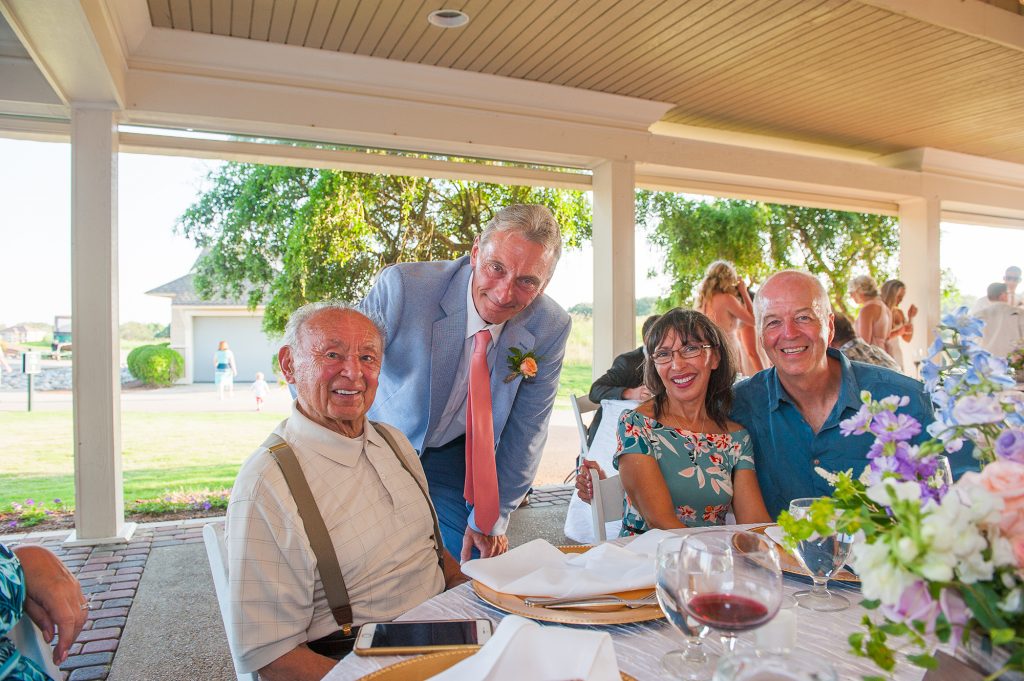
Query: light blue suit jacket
422,307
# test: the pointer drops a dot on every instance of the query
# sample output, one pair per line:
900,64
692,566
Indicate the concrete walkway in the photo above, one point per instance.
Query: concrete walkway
154,612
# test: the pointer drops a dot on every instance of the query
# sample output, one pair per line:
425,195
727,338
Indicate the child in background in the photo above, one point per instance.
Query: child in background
260,389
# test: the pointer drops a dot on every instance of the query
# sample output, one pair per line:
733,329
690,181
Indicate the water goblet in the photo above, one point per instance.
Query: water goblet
691,662
730,581
822,557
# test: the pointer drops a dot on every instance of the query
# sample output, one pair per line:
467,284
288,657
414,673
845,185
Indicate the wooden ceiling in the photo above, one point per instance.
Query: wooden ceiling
842,73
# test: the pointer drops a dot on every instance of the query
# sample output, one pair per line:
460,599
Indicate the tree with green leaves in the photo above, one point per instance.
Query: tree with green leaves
763,238
282,237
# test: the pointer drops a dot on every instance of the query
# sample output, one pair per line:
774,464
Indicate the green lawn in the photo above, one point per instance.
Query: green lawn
189,452
160,452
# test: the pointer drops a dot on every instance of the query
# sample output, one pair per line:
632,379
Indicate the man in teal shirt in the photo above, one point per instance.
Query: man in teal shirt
793,410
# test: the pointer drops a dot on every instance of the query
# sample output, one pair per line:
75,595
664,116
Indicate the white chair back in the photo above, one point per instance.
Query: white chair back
606,504
213,536
580,406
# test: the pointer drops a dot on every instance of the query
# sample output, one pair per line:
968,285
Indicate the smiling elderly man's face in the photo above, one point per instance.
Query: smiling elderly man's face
335,369
794,326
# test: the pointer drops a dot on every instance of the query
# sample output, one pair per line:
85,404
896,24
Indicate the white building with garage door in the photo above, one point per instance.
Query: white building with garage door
198,325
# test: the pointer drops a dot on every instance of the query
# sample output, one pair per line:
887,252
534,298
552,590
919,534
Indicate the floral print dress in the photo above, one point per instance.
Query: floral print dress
13,665
697,468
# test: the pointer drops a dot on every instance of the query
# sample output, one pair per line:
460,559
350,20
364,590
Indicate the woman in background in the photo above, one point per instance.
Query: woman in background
902,324
874,320
224,370
722,296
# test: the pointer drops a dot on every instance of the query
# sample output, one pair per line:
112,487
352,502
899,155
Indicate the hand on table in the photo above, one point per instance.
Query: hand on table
53,598
584,484
487,545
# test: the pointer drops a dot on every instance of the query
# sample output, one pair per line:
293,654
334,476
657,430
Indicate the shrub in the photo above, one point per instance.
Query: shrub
156,364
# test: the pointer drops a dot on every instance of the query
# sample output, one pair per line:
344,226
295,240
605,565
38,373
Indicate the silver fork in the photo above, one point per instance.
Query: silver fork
575,602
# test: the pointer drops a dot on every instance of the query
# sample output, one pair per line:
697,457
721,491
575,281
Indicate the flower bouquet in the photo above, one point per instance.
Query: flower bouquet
1016,361
938,562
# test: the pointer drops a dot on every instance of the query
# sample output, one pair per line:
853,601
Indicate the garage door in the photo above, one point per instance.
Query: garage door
253,352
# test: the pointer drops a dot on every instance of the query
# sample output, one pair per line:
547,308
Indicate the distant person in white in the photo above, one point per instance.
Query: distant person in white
1004,323
1011,278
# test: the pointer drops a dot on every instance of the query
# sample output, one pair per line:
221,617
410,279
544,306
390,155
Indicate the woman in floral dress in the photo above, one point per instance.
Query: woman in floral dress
683,462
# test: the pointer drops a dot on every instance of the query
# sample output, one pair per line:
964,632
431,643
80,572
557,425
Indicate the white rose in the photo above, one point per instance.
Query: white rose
1012,602
884,492
906,550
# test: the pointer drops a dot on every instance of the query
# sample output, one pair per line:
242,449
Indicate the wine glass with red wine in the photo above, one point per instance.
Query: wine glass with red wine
729,581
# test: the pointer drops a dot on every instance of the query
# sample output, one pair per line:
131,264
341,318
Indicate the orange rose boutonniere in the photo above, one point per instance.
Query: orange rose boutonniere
522,363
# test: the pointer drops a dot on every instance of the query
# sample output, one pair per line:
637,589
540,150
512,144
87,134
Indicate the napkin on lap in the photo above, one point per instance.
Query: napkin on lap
539,569
521,649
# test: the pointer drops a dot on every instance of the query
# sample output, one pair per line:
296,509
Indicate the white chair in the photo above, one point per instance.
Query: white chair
580,406
606,504
213,536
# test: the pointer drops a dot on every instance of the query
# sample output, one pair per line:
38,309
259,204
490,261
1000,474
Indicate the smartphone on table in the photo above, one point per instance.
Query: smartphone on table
411,638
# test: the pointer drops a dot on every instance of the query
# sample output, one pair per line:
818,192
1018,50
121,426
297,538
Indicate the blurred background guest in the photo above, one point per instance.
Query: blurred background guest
874,320
1004,323
846,341
902,325
722,296
224,369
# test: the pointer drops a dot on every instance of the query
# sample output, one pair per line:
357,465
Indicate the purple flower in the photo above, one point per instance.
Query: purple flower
57,501
972,409
207,505
29,502
1010,445
890,427
915,604
858,423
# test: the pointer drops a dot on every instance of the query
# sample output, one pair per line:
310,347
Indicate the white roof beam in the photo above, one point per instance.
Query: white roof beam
74,45
970,17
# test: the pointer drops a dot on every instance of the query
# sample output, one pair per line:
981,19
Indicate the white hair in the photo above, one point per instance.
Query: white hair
821,304
298,320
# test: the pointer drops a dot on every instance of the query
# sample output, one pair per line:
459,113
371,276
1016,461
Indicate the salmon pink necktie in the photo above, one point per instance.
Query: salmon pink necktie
481,477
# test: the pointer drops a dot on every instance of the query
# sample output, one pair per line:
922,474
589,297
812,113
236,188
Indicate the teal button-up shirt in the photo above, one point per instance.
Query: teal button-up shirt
786,450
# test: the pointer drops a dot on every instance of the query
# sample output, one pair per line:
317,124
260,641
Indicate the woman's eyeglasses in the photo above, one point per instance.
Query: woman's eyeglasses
685,352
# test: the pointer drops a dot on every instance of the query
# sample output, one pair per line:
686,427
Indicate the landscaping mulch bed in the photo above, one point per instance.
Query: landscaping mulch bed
59,520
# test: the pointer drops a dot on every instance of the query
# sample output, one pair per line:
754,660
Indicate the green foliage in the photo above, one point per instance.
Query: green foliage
646,306
32,513
762,238
137,331
156,364
283,237
582,309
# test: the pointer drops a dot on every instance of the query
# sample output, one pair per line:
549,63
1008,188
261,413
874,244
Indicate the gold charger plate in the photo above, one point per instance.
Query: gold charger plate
613,614
424,666
790,564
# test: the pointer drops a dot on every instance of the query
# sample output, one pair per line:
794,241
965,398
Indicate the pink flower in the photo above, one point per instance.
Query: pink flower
955,610
1018,549
915,603
1005,479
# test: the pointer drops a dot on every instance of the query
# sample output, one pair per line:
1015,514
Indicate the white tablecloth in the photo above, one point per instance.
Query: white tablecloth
639,647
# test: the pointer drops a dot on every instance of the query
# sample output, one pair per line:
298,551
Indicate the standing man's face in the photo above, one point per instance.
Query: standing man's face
509,272
1011,278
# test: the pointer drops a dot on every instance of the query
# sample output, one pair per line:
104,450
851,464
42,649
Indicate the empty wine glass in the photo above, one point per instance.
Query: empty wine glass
692,662
729,581
822,557
943,477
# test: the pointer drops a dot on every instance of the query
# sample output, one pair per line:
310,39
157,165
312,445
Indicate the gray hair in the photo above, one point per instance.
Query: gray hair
821,304
864,285
533,221
301,317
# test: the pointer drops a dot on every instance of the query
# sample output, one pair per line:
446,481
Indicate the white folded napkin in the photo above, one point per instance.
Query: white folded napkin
539,569
521,649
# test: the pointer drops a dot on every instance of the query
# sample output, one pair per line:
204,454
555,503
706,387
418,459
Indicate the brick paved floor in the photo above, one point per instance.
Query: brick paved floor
110,576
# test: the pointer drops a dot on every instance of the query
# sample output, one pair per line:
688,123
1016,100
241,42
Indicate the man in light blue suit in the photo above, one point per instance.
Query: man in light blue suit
431,312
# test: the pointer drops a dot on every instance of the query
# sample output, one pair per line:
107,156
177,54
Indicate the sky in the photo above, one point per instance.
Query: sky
153,191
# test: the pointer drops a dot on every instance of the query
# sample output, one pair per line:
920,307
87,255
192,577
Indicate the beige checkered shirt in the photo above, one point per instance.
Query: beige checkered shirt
379,522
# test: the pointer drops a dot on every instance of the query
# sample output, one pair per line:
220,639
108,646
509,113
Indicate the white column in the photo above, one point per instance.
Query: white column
920,270
614,262
99,498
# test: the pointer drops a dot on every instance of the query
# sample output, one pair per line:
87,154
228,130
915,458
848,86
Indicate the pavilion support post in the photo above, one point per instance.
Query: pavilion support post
96,379
614,262
920,270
